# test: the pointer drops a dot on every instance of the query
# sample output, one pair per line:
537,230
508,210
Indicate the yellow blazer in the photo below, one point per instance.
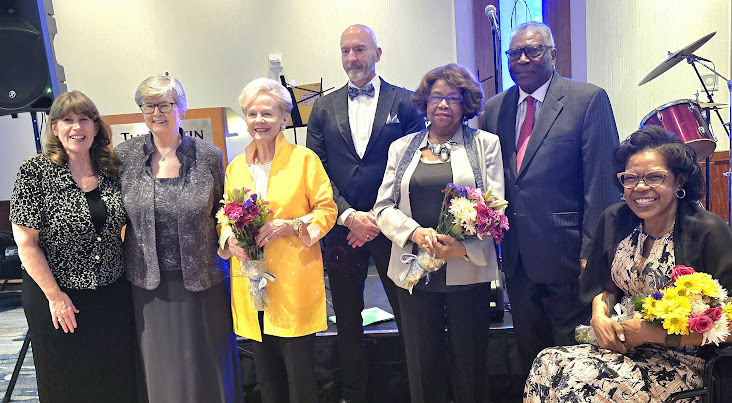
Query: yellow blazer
298,185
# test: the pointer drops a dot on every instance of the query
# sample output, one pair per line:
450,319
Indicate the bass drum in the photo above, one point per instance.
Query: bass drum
683,118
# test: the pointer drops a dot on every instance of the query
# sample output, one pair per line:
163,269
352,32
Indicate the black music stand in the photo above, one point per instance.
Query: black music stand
296,115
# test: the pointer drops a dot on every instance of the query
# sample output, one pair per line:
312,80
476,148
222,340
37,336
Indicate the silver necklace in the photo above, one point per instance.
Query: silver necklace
441,151
162,157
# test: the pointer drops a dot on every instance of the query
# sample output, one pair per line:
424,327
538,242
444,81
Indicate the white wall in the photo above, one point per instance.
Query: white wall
628,39
108,47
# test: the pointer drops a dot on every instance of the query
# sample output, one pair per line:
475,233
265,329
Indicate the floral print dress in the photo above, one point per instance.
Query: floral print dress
650,373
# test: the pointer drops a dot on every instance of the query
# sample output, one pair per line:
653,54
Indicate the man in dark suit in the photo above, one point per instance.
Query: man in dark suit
557,139
351,130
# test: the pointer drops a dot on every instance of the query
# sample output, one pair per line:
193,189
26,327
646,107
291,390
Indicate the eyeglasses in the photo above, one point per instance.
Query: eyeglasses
163,107
450,99
652,179
532,52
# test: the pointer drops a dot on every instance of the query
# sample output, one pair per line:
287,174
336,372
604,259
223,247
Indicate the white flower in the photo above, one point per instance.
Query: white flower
722,292
718,333
697,304
463,210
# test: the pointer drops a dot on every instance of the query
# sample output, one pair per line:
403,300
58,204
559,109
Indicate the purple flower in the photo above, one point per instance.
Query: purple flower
254,196
657,295
248,204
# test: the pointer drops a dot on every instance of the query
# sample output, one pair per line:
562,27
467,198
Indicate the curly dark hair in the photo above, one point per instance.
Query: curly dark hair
679,157
80,104
457,76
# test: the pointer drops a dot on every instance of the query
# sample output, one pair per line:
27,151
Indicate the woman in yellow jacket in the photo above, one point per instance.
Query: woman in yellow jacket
292,179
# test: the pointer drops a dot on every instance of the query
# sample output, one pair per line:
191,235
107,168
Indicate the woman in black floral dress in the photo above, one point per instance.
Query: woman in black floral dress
67,216
637,243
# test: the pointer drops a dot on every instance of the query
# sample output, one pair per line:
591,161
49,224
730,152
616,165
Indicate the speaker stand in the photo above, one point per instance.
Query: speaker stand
36,131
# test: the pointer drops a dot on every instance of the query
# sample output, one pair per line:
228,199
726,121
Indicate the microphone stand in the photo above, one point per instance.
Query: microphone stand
496,57
693,61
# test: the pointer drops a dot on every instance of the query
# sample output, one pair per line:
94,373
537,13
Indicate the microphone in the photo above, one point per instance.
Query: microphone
490,12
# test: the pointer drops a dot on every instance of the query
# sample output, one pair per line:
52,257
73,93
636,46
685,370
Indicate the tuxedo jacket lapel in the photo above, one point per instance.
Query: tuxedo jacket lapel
548,113
344,126
383,107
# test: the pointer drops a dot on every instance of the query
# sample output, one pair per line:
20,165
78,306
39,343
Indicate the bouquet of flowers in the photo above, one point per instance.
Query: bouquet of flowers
244,212
586,333
695,302
466,212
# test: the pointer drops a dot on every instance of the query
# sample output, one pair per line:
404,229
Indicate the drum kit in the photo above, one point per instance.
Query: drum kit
689,119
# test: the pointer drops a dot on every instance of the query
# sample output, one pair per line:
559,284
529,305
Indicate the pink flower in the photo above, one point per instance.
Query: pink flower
681,270
714,313
235,213
475,194
700,323
229,207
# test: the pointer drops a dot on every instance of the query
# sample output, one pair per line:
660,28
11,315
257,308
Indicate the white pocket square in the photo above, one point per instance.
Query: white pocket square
392,119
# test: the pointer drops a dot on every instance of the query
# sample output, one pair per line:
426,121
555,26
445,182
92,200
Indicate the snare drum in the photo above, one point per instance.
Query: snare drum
683,118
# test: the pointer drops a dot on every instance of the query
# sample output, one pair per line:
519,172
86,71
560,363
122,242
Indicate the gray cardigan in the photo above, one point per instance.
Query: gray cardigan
201,189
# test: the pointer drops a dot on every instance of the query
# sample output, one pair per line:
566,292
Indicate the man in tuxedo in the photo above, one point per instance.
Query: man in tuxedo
351,130
557,139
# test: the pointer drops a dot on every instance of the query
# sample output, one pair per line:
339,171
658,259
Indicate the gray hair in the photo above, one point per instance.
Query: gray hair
538,27
269,87
159,86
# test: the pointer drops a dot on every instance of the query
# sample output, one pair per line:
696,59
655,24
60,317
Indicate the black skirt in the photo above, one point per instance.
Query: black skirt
96,363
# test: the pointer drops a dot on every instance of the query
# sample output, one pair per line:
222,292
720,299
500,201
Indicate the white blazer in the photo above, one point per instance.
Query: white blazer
480,265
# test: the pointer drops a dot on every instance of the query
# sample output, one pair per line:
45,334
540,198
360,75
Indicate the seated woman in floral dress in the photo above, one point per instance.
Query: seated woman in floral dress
637,243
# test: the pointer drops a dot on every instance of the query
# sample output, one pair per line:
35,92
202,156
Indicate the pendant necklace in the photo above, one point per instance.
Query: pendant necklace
162,157
86,184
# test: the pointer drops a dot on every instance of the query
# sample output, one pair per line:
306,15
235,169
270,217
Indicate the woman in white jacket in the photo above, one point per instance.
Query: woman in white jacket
407,210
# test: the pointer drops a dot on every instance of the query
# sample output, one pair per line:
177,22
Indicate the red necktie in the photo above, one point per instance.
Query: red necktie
525,132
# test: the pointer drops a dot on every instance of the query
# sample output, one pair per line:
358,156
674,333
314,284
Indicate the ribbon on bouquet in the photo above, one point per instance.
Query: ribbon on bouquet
261,281
410,277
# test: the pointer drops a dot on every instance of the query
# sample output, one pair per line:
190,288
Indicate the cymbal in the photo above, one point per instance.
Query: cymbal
712,105
676,57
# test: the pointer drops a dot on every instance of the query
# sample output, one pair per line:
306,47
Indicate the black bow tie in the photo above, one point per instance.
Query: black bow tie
368,90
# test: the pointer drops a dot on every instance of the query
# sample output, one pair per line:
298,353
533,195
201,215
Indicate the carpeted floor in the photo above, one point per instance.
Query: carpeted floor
12,332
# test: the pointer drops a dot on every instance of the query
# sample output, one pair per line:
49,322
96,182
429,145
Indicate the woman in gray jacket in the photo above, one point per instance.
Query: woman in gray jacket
171,187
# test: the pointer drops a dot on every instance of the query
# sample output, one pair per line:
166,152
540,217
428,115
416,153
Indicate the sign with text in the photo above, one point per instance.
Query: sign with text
200,128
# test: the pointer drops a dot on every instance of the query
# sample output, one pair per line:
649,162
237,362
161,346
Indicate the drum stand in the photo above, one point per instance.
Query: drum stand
693,60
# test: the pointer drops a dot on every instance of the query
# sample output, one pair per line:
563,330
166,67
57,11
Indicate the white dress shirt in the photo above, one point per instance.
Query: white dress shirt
539,96
361,113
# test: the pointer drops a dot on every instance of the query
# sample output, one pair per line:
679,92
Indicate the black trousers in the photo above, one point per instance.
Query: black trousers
285,368
544,315
347,269
432,354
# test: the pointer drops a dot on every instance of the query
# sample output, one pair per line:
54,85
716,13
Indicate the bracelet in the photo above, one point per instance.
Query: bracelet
413,233
297,225
352,216
673,340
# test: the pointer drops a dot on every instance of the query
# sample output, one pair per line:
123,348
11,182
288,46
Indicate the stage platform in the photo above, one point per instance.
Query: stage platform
387,372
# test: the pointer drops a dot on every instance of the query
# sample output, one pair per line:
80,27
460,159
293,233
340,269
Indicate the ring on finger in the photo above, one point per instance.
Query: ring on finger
60,319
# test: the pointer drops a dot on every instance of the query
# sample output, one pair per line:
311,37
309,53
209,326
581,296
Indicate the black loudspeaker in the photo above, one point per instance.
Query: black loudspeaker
30,78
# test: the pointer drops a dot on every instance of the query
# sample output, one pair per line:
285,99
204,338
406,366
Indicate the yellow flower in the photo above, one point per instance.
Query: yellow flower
676,324
694,283
728,310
